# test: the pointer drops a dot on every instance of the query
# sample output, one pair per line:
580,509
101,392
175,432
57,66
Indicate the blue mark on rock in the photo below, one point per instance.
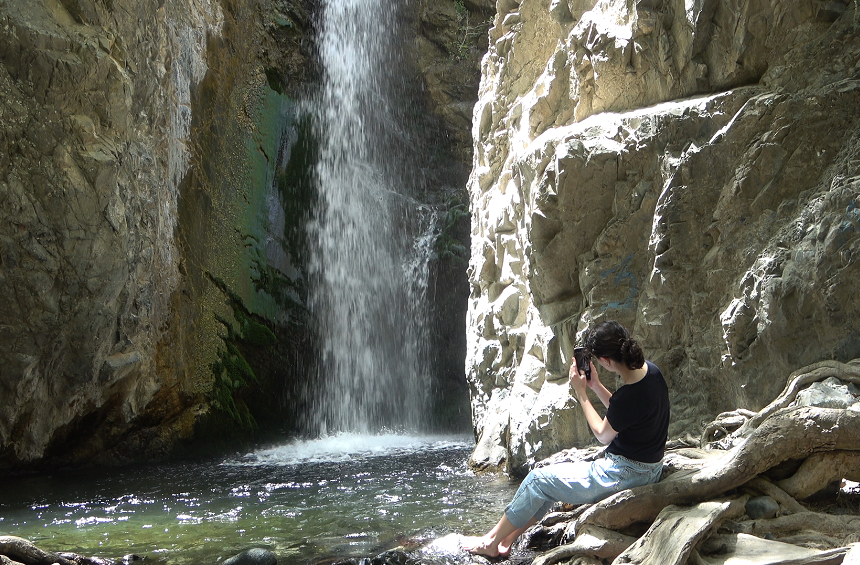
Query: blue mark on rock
622,275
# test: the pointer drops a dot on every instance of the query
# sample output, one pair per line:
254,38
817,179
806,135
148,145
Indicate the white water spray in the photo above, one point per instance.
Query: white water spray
368,295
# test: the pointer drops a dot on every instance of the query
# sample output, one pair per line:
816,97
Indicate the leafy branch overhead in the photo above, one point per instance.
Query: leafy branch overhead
467,32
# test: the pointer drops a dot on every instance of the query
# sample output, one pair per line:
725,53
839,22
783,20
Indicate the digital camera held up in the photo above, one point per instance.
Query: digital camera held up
583,361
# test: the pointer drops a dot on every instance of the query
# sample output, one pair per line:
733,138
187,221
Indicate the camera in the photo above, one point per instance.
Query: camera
583,361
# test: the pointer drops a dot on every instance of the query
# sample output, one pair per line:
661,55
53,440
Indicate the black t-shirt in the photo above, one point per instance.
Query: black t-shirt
639,412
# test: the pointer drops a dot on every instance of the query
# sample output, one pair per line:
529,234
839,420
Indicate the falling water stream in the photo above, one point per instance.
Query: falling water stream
368,267
370,480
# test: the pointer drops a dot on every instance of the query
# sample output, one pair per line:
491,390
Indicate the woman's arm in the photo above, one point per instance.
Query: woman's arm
601,391
600,427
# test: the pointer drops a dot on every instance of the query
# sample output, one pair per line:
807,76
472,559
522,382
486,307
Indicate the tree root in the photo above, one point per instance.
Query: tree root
676,531
787,503
820,470
687,522
593,541
832,525
792,433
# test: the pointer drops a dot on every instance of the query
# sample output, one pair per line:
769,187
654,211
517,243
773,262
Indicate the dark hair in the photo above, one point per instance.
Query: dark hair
611,339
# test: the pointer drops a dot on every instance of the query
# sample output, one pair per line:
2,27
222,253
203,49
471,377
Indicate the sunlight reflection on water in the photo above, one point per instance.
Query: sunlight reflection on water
346,495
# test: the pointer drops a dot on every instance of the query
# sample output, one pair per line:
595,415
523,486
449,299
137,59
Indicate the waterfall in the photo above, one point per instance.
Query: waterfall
368,243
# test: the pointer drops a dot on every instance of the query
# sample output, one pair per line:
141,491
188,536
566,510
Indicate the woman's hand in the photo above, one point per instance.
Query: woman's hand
594,383
578,380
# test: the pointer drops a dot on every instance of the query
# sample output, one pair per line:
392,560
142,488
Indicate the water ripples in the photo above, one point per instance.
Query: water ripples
302,500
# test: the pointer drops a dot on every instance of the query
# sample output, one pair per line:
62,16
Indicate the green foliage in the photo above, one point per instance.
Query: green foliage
286,292
447,246
467,32
231,370
255,333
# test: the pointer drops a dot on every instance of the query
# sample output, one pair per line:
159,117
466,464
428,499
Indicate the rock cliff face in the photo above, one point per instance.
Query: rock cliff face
154,186
691,170
102,314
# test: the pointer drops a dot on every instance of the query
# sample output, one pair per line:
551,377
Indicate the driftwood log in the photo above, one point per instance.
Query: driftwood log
19,551
698,513
22,551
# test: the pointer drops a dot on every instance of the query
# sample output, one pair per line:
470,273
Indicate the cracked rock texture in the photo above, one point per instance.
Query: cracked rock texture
154,168
691,170
97,327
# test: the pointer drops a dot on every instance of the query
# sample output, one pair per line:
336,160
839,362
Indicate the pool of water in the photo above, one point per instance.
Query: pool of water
343,496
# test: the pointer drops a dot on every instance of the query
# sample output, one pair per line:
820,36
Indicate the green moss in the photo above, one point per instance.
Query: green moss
256,333
231,370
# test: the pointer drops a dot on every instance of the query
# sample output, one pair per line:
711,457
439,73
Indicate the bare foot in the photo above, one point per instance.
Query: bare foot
480,546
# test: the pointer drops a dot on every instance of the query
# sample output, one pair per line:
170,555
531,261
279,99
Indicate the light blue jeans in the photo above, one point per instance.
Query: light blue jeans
582,482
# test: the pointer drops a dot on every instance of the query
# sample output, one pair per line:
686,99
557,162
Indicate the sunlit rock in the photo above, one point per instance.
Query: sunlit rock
641,163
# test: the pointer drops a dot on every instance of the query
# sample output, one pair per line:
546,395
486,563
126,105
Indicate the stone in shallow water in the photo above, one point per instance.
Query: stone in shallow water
254,556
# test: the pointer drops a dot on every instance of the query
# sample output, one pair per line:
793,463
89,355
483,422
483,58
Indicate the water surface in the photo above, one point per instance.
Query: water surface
350,495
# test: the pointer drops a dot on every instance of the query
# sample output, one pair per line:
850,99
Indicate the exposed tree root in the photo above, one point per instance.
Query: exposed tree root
834,525
792,433
853,556
787,503
677,531
593,541
750,550
696,512
821,469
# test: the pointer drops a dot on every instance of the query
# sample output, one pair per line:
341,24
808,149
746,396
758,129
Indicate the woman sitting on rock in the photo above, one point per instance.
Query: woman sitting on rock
635,427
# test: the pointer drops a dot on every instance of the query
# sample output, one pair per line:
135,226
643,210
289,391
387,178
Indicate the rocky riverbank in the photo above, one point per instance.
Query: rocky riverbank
777,486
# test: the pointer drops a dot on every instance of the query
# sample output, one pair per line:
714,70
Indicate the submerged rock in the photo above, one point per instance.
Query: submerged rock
253,556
